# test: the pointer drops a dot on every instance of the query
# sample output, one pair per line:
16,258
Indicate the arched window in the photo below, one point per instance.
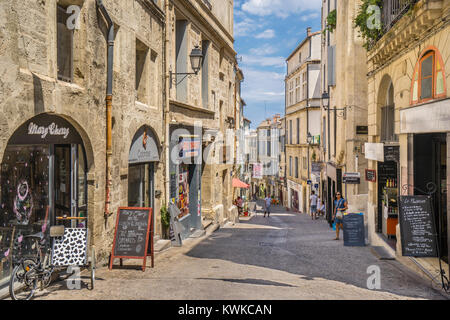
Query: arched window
429,79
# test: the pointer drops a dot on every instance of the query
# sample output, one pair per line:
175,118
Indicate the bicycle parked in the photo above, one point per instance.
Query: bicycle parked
29,272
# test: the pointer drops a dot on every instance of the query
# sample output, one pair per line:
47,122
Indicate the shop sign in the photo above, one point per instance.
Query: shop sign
374,151
362,130
352,178
316,167
144,148
417,227
371,175
392,153
46,129
257,171
189,147
133,235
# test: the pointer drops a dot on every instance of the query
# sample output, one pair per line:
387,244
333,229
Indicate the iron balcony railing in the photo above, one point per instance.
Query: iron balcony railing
393,10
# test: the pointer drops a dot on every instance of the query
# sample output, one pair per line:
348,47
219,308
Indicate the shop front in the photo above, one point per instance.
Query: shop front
388,192
294,192
334,184
185,177
426,127
43,176
142,163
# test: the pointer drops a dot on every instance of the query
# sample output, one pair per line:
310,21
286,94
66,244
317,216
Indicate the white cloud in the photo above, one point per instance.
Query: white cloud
260,85
310,16
264,50
263,61
266,34
280,8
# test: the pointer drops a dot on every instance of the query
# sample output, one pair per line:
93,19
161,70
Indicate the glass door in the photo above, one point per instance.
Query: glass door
63,182
69,184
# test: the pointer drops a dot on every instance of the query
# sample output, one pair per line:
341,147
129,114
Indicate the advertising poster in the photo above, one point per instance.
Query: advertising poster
183,194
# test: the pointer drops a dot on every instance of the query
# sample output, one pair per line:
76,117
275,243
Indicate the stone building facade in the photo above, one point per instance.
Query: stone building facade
302,86
206,99
344,113
408,96
53,119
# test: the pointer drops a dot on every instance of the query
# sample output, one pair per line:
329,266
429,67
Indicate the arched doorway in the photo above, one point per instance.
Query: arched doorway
43,175
144,154
388,170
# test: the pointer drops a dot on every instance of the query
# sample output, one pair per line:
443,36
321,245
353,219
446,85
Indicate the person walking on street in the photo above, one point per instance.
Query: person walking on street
313,204
267,203
340,206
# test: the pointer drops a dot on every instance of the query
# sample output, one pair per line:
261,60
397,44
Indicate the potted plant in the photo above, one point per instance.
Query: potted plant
165,221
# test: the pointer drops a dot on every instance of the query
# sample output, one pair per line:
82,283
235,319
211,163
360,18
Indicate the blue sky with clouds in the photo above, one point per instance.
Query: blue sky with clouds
266,32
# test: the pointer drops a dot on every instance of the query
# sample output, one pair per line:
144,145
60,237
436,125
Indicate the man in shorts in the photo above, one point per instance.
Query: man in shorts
313,204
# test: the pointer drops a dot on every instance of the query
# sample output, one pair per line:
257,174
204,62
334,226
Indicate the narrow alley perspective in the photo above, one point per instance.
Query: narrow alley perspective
287,256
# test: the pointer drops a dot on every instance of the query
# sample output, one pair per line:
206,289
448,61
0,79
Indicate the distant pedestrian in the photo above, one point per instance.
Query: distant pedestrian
340,206
313,204
321,209
267,204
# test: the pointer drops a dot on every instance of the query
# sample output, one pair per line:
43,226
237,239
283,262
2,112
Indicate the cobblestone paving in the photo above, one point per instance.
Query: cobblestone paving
287,256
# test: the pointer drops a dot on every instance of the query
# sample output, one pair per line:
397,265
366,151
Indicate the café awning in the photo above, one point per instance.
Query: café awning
239,184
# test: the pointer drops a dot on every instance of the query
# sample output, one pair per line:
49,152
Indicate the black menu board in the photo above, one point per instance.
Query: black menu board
131,239
354,235
417,227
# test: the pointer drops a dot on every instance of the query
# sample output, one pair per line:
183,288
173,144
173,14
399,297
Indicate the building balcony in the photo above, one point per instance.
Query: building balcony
403,23
394,10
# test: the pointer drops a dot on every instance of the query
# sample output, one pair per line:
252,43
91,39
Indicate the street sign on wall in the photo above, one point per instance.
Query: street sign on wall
371,175
351,178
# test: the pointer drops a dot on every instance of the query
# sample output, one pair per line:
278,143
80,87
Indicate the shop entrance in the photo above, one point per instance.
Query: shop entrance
430,155
43,175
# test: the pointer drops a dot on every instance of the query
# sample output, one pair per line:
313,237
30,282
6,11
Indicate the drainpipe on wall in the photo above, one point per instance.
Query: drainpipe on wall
110,60
166,99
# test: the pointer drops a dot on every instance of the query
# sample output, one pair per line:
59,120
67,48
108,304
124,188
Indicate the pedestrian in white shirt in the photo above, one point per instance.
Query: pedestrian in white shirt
267,203
313,204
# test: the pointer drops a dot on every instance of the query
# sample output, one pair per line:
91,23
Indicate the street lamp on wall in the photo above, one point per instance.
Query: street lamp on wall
326,106
326,100
196,58
309,138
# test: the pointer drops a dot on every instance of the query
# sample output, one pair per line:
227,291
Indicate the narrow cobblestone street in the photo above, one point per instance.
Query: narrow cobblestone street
287,256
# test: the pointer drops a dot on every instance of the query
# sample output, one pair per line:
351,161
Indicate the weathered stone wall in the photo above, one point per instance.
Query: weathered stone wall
221,64
29,86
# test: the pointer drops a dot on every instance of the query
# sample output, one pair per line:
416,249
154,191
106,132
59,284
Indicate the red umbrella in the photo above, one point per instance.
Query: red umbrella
239,184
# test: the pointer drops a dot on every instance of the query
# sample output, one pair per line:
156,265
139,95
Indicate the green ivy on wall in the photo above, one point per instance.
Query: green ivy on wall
331,21
369,25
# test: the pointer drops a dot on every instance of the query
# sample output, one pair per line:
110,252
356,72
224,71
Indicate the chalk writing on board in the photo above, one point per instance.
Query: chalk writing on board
417,227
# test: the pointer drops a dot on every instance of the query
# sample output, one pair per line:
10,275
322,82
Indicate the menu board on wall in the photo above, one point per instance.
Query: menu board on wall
418,231
132,235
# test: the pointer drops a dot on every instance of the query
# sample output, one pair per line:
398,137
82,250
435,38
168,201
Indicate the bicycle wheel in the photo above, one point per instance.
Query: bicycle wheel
23,282
92,267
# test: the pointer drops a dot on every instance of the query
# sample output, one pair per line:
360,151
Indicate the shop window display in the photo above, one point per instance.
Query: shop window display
23,201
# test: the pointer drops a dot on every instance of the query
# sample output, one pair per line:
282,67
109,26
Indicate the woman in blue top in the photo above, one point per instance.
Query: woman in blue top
340,206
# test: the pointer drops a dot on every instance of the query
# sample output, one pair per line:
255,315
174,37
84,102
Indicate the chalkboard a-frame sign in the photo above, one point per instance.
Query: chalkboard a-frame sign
133,237
417,227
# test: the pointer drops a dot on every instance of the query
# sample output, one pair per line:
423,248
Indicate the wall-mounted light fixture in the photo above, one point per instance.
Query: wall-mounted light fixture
196,58
326,106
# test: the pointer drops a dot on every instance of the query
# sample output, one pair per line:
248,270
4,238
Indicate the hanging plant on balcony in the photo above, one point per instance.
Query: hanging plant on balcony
331,22
369,24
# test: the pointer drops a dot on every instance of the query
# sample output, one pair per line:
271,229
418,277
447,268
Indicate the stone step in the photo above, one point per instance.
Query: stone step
162,245
381,253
